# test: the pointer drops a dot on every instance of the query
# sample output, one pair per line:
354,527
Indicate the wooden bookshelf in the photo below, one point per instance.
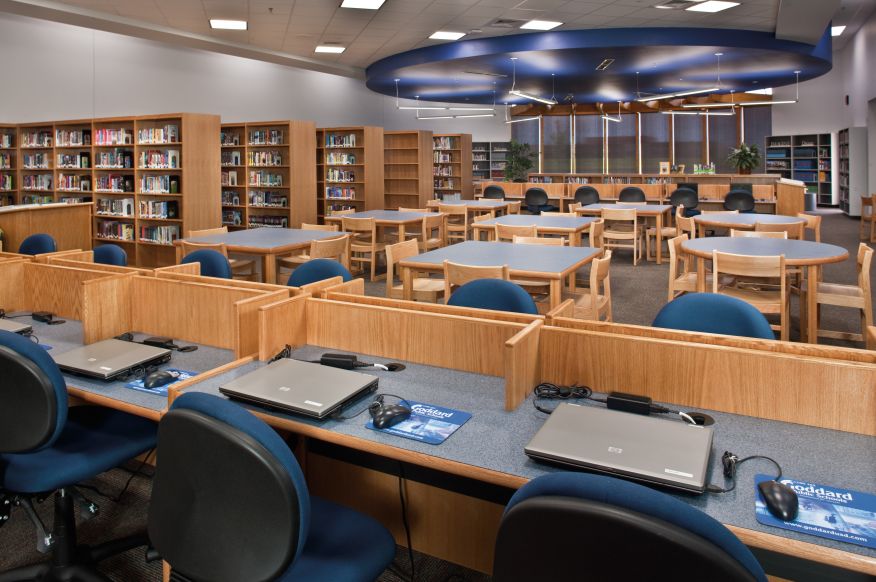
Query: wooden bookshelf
452,165
350,169
807,158
852,175
268,174
36,179
407,169
8,165
72,161
113,183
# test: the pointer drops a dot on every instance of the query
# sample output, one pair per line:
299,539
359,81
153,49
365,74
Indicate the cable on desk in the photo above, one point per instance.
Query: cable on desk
730,461
549,391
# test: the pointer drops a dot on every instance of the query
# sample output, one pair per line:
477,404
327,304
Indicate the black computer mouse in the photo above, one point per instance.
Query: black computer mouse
780,499
391,415
159,378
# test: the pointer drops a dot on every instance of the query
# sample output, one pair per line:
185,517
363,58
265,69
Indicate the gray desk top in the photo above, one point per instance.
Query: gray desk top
494,439
744,219
528,258
383,216
68,335
795,251
484,202
264,239
541,221
640,207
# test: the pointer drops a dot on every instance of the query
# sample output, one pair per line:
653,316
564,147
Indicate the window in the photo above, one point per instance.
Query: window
722,139
688,133
655,141
588,144
557,135
621,144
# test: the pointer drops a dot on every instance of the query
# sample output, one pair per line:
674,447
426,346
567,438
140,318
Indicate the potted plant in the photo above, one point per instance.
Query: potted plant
518,161
745,158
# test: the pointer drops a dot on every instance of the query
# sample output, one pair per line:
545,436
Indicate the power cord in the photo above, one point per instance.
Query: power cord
404,510
549,391
134,473
729,462
342,361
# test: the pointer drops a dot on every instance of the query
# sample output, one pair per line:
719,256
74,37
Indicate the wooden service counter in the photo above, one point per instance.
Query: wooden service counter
69,224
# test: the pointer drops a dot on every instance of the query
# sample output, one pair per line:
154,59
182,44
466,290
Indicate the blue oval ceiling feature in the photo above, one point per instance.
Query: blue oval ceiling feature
668,60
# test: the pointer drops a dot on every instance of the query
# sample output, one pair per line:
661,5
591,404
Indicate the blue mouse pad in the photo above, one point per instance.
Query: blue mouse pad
428,423
829,512
160,390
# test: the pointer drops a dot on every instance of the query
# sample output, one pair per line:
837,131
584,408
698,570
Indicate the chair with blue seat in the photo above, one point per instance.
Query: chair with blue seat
110,254
714,313
741,200
494,192
687,198
536,201
585,195
603,528
213,263
254,518
46,447
495,294
37,244
318,270
631,194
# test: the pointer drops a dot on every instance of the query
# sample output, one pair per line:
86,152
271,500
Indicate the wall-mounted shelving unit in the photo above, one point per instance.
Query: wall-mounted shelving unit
807,158
407,161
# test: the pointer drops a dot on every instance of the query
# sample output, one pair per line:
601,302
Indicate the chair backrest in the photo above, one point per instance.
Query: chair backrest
813,223
33,396
208,231
631,194
248,486
720,212
394,254
317,270
330,248
514,206
600,280
867,205
453,209
592,521
619,214
494,192
494,294
557,213
713,313
757,233
324,227
509,231
685,197
585,195
428,210
684,224
190,247
679,261
535,197
213,263
456,274
597,228
747,265
794,231
37,244
482,217
865,258
110,254
346,212
360,227
539,240
433,228
739,200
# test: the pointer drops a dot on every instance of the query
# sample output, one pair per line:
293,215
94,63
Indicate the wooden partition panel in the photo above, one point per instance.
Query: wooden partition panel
177,275
606,191
106,307
57,289
66,261
12,288
184,268
814,391
713,192
765,192
280,324
521,364
512,189
246,323
69,224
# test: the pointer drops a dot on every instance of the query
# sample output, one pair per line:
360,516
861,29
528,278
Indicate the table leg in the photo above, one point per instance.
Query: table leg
812,304
701,275
575,239
660,239
407,283
401,233
556,292
269,269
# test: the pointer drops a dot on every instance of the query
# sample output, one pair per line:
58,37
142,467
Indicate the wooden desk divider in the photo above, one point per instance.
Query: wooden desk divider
871,338
334,284
191,272
86,262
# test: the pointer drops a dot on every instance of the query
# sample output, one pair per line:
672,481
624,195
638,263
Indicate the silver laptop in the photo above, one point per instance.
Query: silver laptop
110,358
656,450
15,326
300,387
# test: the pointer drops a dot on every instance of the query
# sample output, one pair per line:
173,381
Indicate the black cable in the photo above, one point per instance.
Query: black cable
134,473
404,510
730,461
377,398
549,391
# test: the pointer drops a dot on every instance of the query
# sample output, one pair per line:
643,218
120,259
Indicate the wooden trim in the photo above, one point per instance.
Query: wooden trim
521,364
235,283
247,321
175,390
105,307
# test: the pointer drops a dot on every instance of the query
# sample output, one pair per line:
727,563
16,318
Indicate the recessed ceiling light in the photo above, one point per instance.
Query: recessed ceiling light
664,7
363,4
836,30
446,35
219,24
541,24
329,49
712,6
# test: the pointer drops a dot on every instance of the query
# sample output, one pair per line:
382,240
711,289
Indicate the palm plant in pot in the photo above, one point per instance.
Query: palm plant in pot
518,161
745,158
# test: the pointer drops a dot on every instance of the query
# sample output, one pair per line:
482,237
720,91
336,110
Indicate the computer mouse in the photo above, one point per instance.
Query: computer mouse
159,378
391,415
780,499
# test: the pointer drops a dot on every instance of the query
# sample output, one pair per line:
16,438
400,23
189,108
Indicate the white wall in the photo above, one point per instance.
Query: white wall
57,71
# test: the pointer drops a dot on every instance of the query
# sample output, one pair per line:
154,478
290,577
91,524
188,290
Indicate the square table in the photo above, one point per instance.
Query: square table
480,206
655,211
550,263
570,226
268,243
385,218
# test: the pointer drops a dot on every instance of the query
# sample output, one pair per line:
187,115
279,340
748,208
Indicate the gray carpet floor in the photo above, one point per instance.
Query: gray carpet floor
638,293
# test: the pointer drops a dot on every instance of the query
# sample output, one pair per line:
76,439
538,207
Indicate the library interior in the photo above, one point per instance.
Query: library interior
437,290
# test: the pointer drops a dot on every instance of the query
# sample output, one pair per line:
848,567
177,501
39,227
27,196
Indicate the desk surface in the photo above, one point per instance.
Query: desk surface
264,239
519,258
746,219
480,203
383,216
541,221
639,207
494,440
797,252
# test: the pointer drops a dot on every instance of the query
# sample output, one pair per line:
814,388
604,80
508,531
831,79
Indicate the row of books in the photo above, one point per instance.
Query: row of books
230,198
36,139
445,183
110,136
340,158
114,183
335,208
159,184
228,178
443,143
442,157
266,137
442,171
266,198
265,179
155,135
114,207
336,175
72,137
36,181
81,160
5,161
7,182
156,209
159,159
232,217
115,230
114,159
334,140
228,138
340,193
231,158
36,199
264,158
7,140
74,182
163,235
268,220
36,161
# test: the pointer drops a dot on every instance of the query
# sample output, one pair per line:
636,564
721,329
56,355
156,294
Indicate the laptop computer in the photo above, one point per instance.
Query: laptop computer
15,326
299,387
110,358
643,448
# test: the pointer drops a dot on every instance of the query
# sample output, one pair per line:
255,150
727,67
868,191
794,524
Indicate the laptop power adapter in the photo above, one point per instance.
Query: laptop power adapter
629,403
43,316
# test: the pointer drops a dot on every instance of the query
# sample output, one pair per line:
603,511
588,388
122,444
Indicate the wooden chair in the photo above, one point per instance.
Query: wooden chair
684,224
514,206
403,209
623,230
285,264
571,214
337,248
433,233
538,240
364,246
507,232
457,227
573,207
593,304
758,234
596,232
720,212
793,231
240,268
456,275
813,223
854,296
868,216
347,212
767,301
424,288
651,233
323,227
682,276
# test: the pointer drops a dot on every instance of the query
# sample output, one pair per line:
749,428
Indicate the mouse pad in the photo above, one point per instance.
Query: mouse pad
160,390
428,423
829,512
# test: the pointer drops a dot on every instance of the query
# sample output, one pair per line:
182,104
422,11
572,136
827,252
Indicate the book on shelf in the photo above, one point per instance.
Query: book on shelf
36,161
335,208
230,198
7,181
439,157
340,158
262,178
70,182
75,199
263,158
232,217
258,137
336,175
114,183
80,160
334,140
7,140
229,138
160,159
163,235
268,221
116,159
443,142
231,158
110,136
72,138
445,183
36,181
159,184
115,230
36,139
123,207
268,199
339,193
159,209
5,161
36,199
442,171
158,135
229,178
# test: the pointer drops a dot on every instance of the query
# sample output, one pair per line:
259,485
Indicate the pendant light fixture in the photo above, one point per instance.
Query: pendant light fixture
687,93
614,119
509,119
517,93
418,107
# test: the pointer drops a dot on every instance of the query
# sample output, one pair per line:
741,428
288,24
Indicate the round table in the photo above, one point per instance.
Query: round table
798,253
742,221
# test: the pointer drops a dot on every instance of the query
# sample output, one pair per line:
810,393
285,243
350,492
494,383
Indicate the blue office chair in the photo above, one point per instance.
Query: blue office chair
493,192
46,447
740,200
687,198
37,244
317,270
714,313
585,195
536,201
110,254
494,294
631,194
213,263
602,528
254,519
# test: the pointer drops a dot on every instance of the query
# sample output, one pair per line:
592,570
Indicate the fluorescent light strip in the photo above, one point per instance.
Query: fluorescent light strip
363,4
784,102
533,97
678,94
219,24
741,104
712,6
610,118
518,120
541,25
837,30
463,116
431,108
446,35
706,113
